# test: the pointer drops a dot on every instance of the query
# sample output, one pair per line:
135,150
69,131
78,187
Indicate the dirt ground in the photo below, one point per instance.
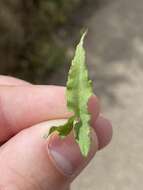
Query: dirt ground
115,57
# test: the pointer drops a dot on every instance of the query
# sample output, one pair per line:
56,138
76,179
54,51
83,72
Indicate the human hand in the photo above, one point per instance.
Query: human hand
29,162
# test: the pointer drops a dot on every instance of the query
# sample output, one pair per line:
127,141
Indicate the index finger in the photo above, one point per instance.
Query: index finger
11,81
24,106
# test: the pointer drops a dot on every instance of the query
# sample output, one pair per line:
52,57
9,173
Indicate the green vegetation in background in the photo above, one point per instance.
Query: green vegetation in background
40,48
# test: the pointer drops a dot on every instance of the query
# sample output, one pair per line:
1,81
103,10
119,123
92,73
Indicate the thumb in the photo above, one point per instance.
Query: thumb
28,161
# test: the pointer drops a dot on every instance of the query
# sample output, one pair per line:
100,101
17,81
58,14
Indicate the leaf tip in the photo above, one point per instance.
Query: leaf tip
83,36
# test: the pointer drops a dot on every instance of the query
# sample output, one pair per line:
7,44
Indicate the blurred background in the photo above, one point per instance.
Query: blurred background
37,41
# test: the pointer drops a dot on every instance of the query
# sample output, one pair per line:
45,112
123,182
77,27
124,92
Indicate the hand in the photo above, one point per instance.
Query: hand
29,162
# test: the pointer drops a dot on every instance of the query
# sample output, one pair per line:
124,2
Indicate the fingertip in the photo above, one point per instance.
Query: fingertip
94,107
103,129
101,125
66,155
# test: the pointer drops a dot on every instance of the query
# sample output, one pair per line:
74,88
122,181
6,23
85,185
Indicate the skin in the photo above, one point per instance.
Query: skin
26,113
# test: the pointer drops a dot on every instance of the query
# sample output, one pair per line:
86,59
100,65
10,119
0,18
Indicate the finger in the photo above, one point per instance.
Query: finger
101,125
24,106
7,80
27,161
103,129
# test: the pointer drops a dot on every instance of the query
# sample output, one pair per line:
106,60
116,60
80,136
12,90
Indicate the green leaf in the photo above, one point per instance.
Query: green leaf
82,133
79,90
63,130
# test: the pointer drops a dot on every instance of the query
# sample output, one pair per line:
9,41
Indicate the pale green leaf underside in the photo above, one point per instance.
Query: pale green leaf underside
79,90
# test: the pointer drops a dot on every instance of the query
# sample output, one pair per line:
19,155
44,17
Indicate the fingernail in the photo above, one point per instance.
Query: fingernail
66,156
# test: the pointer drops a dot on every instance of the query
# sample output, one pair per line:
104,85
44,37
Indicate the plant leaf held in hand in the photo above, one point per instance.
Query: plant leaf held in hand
79,90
